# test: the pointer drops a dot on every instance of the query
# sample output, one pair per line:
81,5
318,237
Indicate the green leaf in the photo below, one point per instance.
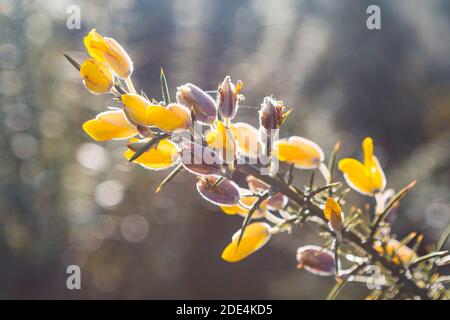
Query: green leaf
72,61
285,115
169,178
443,239
164,88
332,162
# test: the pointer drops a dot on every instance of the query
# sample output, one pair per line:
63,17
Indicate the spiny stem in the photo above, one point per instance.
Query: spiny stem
346,235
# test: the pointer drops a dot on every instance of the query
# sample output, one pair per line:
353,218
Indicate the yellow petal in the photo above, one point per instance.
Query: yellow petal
97,77
109,51
136,107
331,208
222,141
234,209
367,146
247,138
164,156
302,152
95,45
366,182
170,118
255,236
109,125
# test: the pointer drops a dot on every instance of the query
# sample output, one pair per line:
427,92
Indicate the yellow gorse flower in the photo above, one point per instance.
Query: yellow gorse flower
168,118
247,139
163,156
97,77
301,152
333,213
109,51
109,125
228,155
221,139
368,177
255,236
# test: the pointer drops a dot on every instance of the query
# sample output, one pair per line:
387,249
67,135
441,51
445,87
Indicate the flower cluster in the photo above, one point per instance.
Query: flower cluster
236,167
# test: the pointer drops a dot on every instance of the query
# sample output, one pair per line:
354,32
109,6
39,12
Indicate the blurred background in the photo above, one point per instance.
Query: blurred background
65,199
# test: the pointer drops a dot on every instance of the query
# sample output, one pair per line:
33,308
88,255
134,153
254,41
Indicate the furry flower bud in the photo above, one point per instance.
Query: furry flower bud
205,108
316,260
224,193
199,159
229,96
271,114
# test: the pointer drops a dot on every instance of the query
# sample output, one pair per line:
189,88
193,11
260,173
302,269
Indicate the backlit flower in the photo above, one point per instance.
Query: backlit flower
161,156
109,125
168,118
301,152
97,77
272,114
367,177
200,159
316,260
228,97
225,193
109,51
333,213
221,139
255,236
205,108
246,138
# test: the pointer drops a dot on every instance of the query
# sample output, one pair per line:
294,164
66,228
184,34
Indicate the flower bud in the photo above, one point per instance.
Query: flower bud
316,260
333,213
271,114
224,193
205,108
97,77
199,159
228,92
109,51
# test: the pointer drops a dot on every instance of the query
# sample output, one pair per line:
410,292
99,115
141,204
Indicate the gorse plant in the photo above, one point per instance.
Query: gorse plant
237,169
